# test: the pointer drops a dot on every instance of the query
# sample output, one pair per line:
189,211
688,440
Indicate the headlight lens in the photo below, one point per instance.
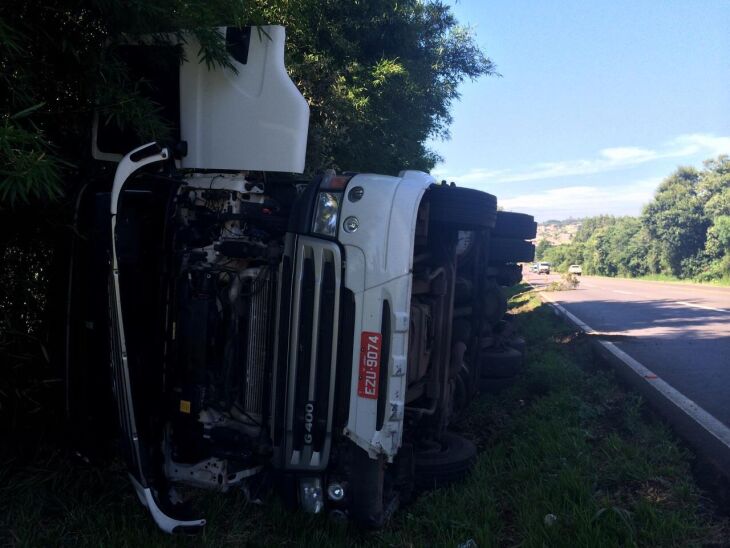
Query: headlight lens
327,213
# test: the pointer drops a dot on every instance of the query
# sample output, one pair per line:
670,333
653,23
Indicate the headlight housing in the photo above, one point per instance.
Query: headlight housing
327,213
330,195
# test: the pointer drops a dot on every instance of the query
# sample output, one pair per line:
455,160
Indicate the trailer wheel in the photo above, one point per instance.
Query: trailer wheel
445,462
463,207
510,250
515,225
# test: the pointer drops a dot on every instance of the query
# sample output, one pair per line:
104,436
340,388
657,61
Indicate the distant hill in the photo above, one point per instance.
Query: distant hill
568,221
558,232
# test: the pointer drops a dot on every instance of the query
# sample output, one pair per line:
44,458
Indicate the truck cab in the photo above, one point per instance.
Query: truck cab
261,328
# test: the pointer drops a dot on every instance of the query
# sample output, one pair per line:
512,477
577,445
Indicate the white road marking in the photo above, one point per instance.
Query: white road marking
623,292
693,305
705,420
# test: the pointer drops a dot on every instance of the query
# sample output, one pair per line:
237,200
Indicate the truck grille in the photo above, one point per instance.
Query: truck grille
257,341
306,354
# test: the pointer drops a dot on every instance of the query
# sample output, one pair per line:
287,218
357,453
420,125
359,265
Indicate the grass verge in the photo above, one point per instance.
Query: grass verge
721,282
568,458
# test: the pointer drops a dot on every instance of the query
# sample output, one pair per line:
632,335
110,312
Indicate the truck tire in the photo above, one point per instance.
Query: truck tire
464,207
500,364
442,465
494,305
509,275
515,225
510,250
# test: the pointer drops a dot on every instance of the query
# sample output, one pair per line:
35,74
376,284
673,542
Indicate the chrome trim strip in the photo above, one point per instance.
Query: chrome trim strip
119,360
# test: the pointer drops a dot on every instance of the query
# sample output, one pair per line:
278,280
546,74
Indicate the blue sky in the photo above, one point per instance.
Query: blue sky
598,101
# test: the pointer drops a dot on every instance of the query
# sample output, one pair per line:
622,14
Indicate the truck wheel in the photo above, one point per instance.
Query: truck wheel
495,305
509,275
510,250
445,462
515,225
500,364
463,207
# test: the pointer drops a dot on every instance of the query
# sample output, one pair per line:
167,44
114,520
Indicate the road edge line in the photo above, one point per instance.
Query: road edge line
702,430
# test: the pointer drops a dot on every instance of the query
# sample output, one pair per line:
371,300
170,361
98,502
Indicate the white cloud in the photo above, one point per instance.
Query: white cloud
623,154
471,176
701,143
607,160
582,200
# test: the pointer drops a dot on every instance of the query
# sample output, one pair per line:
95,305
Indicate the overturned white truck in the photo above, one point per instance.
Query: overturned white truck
313,336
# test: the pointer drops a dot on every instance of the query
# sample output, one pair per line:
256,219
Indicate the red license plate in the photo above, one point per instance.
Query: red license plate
367,383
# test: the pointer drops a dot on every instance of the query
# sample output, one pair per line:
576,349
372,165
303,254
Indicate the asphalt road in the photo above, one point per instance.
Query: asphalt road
681,332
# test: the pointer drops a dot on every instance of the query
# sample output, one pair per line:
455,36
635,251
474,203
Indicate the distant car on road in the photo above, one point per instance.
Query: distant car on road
533,267
575,269
543,268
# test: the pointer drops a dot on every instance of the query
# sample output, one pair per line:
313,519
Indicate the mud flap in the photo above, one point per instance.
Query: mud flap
368,490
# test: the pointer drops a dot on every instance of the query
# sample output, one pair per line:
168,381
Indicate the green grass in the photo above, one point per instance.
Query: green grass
565,440
674,279
667,278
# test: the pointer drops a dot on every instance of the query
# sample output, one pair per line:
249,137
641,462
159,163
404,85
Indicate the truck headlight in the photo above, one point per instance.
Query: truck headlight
327,213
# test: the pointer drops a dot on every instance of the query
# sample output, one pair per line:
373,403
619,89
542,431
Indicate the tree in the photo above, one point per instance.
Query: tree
626,252
380,77
714,186
563,255
718,237
57,68
714,190
684,231
675,219
541,249
589,225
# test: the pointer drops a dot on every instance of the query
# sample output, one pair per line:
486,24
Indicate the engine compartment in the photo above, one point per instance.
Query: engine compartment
227,244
